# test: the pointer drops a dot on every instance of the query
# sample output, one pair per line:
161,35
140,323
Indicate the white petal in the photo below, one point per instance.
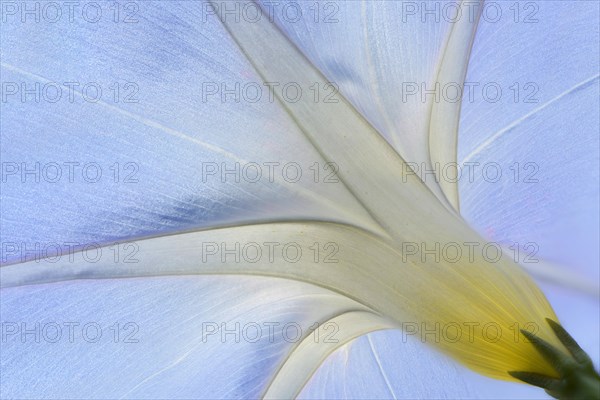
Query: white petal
304,360
385,56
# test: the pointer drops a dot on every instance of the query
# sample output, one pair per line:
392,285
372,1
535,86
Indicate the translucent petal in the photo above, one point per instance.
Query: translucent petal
385,56
354,263
321,124
151,154
445,114
304,360
392,364
370,267
169,337
540,133
387,365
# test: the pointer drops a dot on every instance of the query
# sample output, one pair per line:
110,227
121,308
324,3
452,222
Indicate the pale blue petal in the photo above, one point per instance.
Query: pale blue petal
387,365
549,134
393,365
158,133
164,347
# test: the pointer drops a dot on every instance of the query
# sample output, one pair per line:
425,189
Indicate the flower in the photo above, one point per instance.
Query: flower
201,182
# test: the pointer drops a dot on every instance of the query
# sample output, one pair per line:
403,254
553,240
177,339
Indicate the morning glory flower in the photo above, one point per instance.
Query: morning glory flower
298,199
